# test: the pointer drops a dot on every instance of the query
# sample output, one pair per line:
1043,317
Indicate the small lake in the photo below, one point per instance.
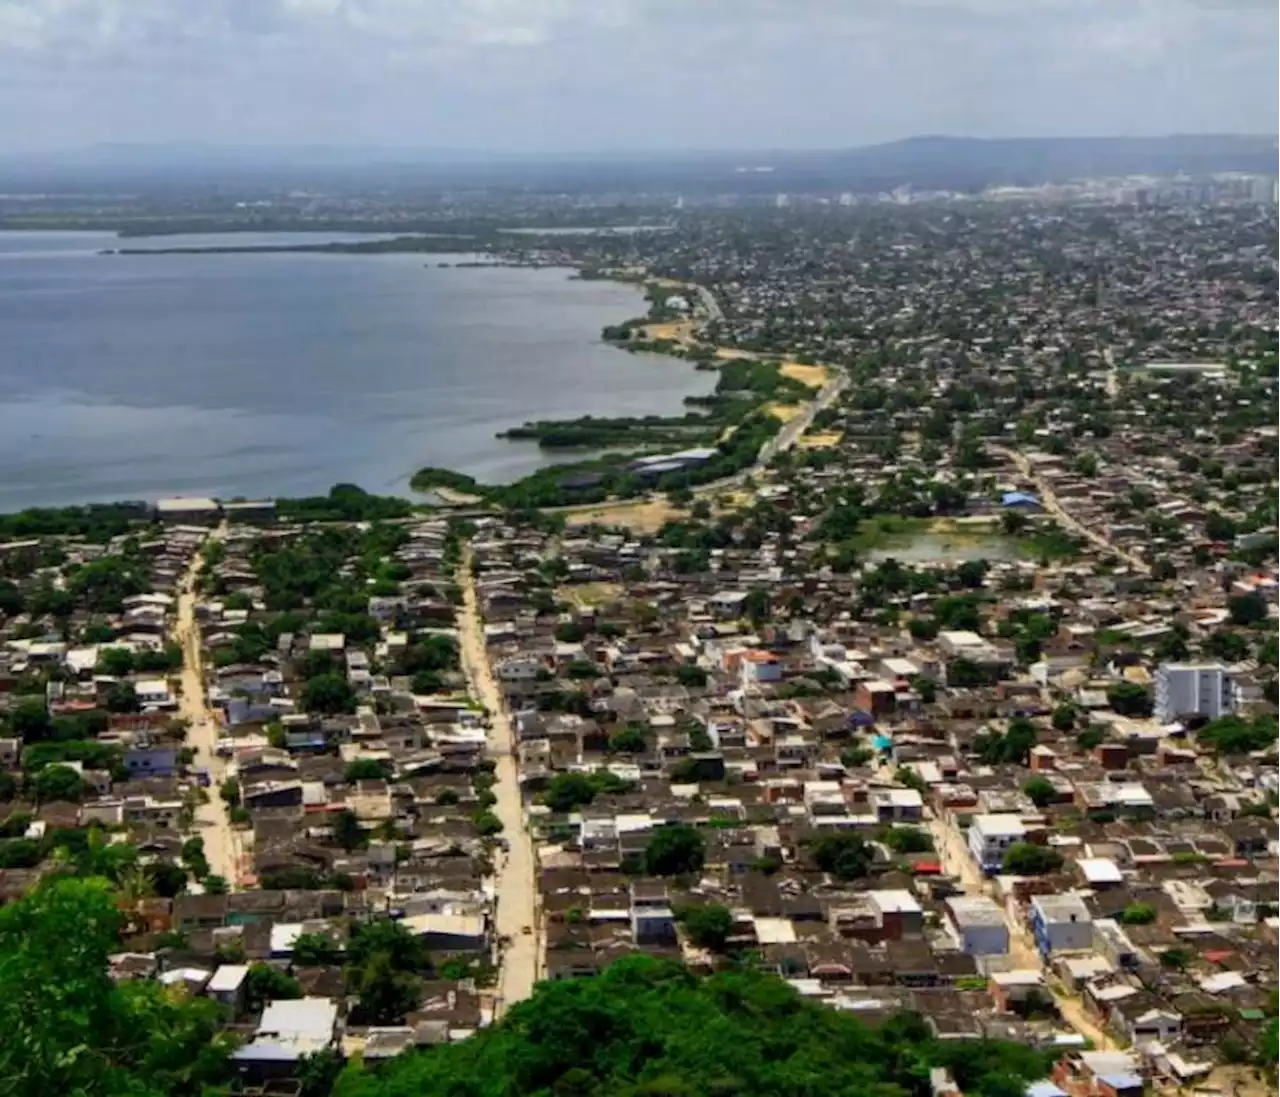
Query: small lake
948,548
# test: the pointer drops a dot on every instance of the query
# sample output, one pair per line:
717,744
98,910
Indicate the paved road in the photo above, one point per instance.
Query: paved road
517,877
709,303
213,824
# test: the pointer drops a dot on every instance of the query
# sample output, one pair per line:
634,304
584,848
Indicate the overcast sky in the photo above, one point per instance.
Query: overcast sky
563,75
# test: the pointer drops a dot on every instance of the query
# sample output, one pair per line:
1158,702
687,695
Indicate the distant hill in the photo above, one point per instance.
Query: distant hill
970,162
943,163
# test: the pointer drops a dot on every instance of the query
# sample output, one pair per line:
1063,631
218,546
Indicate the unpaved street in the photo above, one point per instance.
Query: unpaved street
957,862
517,881
212,821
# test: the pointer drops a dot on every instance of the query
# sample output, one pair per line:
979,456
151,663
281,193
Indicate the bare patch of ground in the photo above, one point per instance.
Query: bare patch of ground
678,331
823,440
813,376
784,412
638,515
583,595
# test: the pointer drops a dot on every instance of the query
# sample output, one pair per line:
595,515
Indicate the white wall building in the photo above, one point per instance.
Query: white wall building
990,837
1061,923
1194,689
979,925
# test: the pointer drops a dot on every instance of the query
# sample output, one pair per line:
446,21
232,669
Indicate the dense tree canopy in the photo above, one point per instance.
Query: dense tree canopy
69,1029
1028,859
648,1027
843,854
674,850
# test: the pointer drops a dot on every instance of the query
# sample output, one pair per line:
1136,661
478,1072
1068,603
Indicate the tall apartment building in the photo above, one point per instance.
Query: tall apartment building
1194,689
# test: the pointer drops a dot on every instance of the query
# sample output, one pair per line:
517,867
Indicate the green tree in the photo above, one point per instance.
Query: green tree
1269,1046
1040,791
756,606
487,824
166,878
391,937
708,925
70,1029
328,694
845,855
570,791
58,783
1218,527
384,994
630,740
347,831
690,675
906,839
122,697
1064,717
29,720
1091,737
117,662
647,1027
266,984
1129,699
1028,859
368,769
853,757
1138,914
1236,735
317,1073
1246,610
923,628
316,949
1230,646
674,850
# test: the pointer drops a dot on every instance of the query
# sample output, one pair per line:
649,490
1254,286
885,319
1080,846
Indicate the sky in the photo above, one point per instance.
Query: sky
612,75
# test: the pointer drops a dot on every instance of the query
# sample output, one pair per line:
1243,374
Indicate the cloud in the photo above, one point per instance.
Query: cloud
615,73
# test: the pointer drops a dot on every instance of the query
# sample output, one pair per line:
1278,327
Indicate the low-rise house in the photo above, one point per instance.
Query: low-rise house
990,838
1060,923
287,1032
979,925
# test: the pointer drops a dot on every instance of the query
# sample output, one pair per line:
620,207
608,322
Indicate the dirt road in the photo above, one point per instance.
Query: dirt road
212,822
957,862
1052,504
517,880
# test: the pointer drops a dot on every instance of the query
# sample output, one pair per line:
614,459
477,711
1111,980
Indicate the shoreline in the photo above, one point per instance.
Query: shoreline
778,412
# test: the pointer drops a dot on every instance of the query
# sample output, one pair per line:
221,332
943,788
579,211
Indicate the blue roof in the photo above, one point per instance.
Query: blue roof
883,742
1014,498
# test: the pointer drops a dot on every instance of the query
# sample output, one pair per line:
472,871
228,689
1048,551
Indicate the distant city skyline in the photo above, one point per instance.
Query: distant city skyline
527,76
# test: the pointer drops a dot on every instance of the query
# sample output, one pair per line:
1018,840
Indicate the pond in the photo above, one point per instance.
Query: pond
946,548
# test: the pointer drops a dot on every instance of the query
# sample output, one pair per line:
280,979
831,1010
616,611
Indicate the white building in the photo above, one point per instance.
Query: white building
979,925
1061,923
1193,689
990,837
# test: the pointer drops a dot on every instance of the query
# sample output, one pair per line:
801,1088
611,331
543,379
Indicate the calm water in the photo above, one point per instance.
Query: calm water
136,377
942,548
